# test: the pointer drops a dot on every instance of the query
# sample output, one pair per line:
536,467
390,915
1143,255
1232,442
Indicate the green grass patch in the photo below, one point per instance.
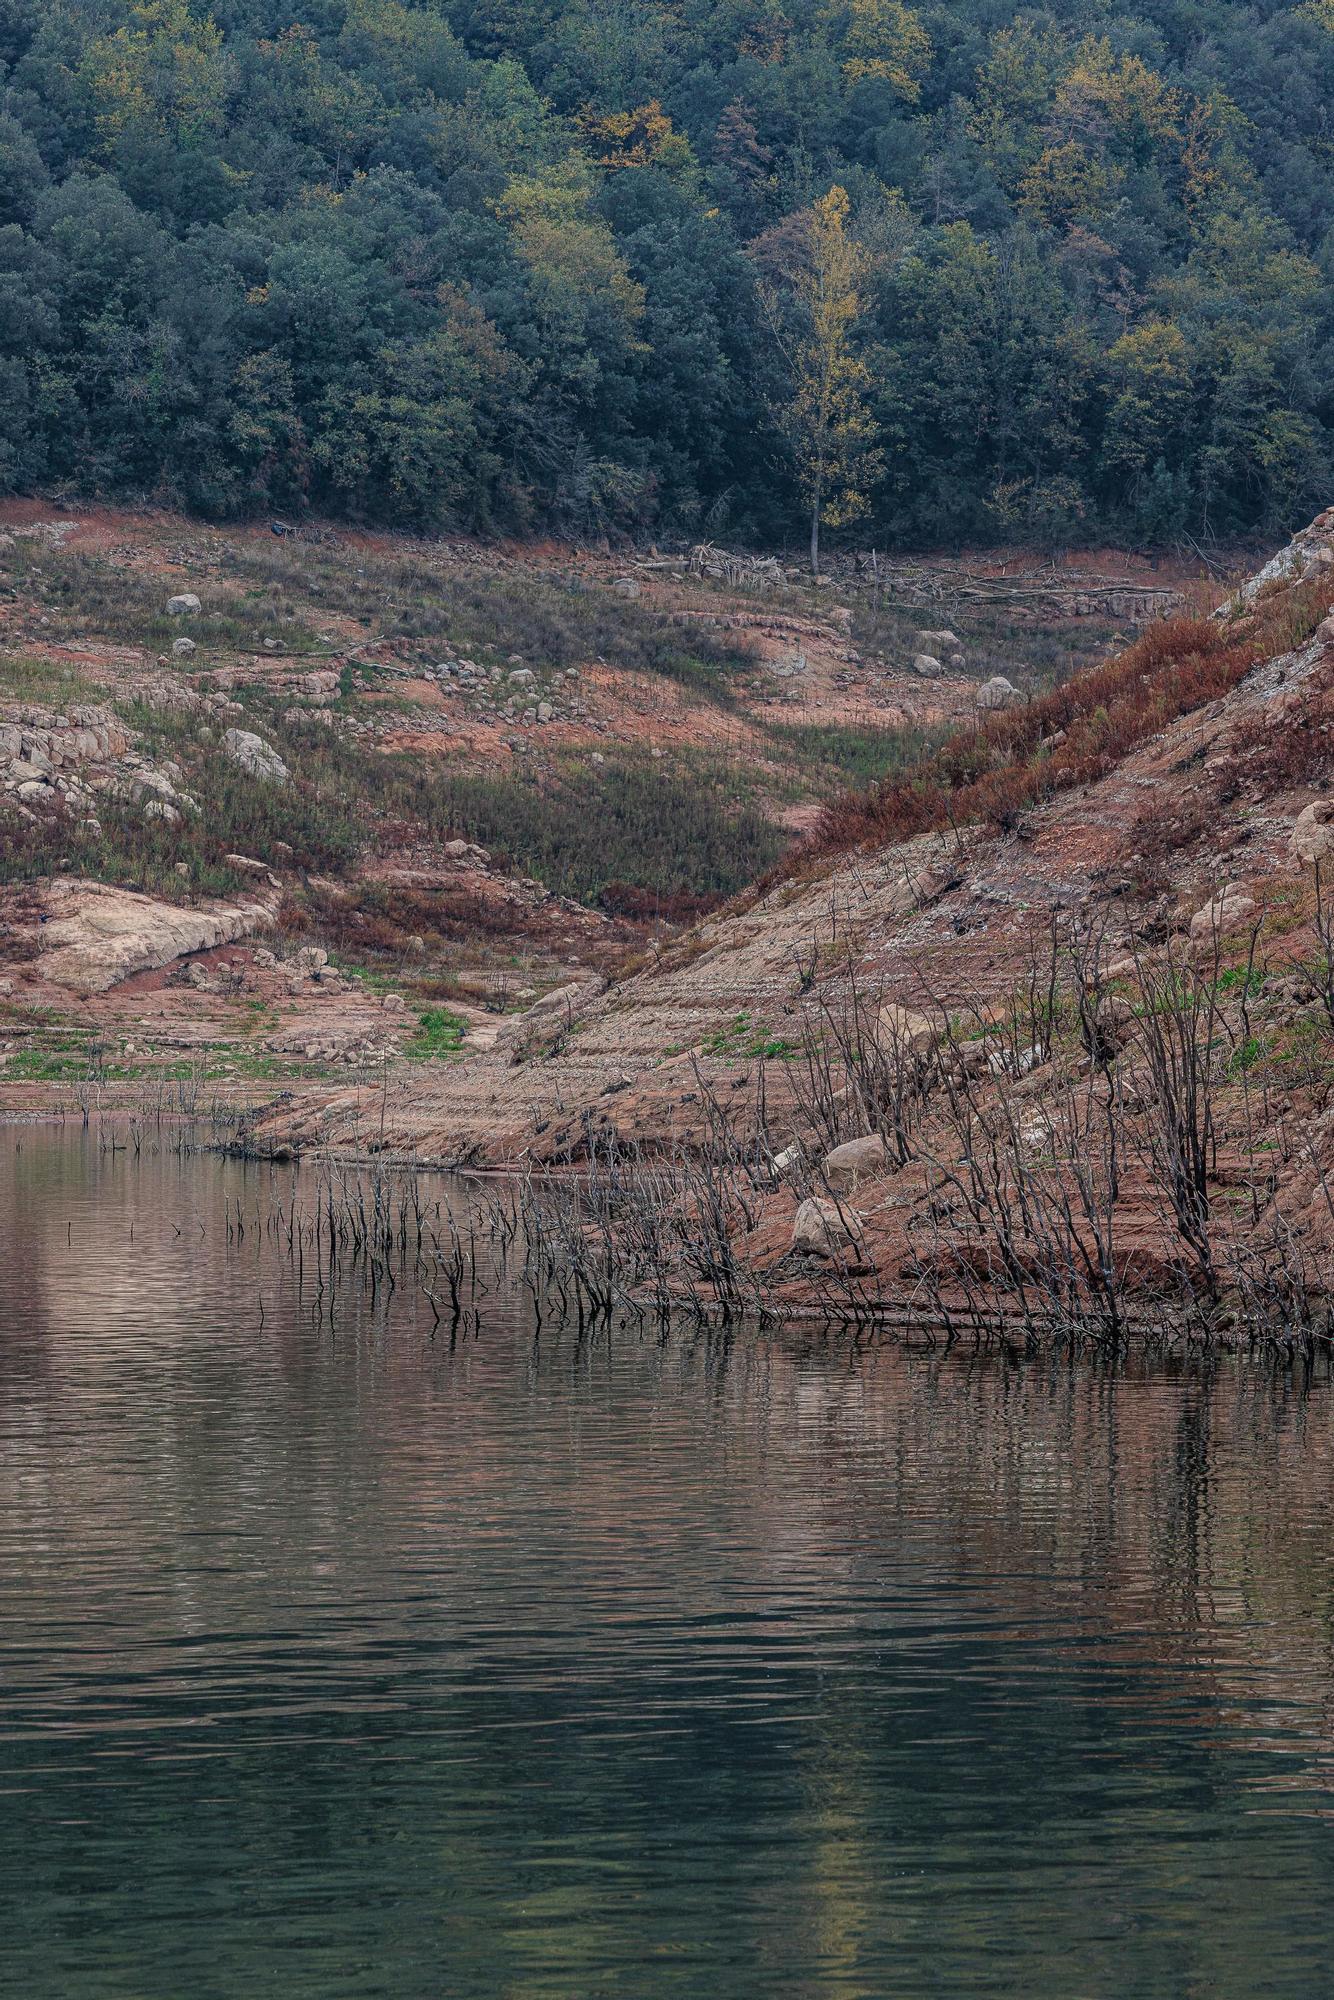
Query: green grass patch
852,753
439,1033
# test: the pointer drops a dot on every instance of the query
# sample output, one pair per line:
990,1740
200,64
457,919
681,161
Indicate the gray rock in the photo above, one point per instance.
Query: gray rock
825,1229
251,753
182,648
184,605
928,666
855,1160
903,1031
998,693
1312,837
1227,911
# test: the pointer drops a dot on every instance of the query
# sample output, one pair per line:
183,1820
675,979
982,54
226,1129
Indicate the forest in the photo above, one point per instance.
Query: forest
904,275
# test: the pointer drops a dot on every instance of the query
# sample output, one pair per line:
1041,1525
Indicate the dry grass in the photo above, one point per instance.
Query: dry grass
992,772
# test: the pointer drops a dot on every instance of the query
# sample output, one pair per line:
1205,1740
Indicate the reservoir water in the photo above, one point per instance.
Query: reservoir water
337,1660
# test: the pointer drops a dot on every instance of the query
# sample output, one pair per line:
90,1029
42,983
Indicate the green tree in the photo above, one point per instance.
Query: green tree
815,309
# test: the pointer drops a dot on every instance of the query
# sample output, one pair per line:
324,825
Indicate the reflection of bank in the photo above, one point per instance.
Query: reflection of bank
840,1596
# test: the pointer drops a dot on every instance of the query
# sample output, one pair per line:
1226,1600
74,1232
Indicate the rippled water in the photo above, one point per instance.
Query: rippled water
334,1662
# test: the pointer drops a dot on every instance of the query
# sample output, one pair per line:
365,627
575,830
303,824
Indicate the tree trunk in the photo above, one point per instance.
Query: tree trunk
815,536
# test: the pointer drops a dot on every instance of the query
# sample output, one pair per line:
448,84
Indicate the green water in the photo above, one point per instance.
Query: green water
338,1662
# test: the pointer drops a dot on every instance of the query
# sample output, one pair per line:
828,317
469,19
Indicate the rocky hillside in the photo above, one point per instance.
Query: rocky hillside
1095,1032
465,774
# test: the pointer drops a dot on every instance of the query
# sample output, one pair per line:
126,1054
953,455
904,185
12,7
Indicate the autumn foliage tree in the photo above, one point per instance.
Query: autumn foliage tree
815,305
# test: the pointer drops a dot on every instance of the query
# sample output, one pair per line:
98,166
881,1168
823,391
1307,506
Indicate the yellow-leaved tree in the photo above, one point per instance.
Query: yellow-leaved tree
161,73
885,42
815,302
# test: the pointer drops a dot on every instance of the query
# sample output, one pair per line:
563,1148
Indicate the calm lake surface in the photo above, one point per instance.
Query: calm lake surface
334,1662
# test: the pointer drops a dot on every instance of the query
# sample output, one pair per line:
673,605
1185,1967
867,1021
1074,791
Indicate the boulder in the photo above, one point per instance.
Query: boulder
626,586
1312,837
1225,912
928,666
254,755
184,605
825,1229
903,1031
30,770
942,644
998,693
855,1160
182,648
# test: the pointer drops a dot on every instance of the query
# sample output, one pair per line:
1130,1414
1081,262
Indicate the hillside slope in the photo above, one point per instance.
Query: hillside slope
1038,997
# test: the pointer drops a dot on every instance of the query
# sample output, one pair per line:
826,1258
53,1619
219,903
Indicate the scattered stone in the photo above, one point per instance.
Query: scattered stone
902,1031
1312,837
1223,913
254,755
855,1160
825,1229
998,693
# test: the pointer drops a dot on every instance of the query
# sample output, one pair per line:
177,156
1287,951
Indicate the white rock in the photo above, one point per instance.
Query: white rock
254,755
185,605
927,666
998,693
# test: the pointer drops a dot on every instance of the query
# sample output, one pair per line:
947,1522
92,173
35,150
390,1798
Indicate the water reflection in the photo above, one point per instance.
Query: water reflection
336,1662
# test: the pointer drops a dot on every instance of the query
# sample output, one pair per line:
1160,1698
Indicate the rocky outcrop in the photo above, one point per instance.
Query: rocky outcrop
97,936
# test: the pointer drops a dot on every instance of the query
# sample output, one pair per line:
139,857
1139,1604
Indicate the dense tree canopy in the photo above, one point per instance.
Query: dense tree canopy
550,262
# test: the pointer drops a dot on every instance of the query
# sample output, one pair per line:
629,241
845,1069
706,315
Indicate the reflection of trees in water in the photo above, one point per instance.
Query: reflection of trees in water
332,1582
